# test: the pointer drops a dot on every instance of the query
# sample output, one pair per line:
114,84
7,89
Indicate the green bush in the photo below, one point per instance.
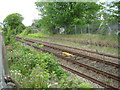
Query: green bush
26,31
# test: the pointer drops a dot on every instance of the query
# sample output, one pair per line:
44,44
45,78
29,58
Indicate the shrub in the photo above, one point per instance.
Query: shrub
26,31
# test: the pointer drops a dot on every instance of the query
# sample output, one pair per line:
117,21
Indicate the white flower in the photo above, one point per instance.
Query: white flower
49,85
53,71
56,83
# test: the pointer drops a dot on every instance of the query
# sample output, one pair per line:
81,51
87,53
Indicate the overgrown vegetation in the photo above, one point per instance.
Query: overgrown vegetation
37,35
91,17
39,70
112,39
64,14
34,35
109,39
12,25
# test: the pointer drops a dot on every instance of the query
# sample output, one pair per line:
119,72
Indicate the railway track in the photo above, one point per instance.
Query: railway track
93,66
96,53
100,44
100,56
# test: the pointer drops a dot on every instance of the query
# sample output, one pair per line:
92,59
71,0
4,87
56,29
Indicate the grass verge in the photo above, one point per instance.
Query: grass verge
112,39
38,70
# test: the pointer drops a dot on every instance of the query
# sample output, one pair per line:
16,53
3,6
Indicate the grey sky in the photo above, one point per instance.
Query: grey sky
26,8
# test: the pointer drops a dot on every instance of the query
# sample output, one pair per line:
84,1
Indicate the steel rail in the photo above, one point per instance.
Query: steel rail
89,78
76,53
117,57
62,58
88,67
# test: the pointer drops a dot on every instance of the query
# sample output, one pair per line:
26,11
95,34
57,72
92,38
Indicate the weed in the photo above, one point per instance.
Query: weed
40,46
106,81
37,70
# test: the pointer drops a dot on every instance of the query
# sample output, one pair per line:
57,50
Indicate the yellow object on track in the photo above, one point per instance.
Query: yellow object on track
66,54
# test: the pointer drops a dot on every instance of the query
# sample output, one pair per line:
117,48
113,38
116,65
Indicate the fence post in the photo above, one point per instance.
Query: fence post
75,29
88,29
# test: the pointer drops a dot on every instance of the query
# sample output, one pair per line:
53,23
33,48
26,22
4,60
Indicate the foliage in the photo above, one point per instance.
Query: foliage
20,28
8,36
91,37
36,23
37,70
111,40
103,29
56,15
106,81
60,14
40,46
13,20
37,35
12,25
32,66
113,10
26,31
109,15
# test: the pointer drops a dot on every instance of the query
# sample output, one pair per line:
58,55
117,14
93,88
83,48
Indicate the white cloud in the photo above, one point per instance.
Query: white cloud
26,8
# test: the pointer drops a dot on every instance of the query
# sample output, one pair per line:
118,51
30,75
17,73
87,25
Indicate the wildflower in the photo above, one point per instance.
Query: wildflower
49,85
56,83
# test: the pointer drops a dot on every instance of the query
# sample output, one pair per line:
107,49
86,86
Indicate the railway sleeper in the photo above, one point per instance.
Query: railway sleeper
110,69
62,57
101,65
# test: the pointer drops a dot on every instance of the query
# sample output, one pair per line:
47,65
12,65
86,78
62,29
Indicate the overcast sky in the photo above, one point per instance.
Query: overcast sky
26,8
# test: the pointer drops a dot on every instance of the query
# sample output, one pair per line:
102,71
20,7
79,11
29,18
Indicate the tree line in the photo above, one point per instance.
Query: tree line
55,15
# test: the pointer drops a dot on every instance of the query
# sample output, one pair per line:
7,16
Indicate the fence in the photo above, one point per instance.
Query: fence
94,28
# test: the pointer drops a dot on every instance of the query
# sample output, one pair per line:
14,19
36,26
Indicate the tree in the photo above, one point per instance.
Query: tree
64,14
12,25
36,23
110,11
110,17
14,22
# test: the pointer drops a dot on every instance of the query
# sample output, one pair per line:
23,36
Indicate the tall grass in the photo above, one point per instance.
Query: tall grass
92,37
